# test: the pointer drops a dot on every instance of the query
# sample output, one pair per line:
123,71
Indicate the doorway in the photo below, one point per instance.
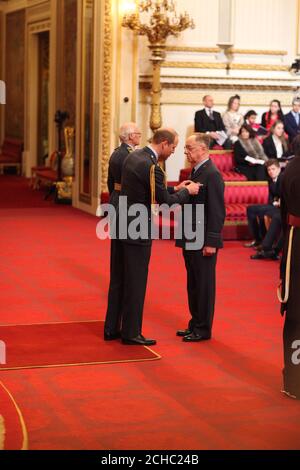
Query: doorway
43,97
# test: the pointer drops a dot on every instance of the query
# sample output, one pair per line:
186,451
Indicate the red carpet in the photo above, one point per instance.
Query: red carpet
65,344
222,394
13,432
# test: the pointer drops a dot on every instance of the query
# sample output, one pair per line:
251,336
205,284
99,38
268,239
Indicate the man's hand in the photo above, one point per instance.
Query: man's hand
193,188
209,251
182,185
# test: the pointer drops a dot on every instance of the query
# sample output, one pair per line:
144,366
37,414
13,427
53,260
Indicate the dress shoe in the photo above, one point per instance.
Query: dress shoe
266,255
194,338
139,341
252,244
183,332
111,336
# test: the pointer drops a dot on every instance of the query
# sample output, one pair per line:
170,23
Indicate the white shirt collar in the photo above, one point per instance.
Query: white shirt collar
208,110
154,151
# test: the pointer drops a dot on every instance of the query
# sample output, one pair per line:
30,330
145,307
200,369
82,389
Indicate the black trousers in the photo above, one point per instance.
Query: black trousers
291,330
201,288
255,215
254,172
127,289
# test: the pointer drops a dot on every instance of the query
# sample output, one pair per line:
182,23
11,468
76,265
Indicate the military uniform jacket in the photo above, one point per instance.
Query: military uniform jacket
115,170
136,186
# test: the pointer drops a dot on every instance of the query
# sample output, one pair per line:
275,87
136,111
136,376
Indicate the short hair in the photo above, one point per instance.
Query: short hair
162,135
296,100
248,129
272,161
251,112
204,98
127,129
202,138
296,146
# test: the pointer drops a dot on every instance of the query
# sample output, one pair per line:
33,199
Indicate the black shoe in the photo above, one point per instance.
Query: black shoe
252,244
194,337
258,255
183,332
139,341
266,255
111,336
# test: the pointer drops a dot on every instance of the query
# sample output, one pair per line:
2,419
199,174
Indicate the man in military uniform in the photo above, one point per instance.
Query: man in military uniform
130,137
290,274
201,263
143,182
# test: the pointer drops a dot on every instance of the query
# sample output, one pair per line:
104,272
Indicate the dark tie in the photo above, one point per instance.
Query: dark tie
193,173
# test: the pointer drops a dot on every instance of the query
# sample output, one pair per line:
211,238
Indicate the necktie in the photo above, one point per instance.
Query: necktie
211,116
193,172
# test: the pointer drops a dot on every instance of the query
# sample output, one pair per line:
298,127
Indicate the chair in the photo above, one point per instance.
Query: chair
11,154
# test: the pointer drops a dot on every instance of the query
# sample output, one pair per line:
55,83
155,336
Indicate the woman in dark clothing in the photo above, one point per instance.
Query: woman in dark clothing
249,155
273,115
276,145
290,274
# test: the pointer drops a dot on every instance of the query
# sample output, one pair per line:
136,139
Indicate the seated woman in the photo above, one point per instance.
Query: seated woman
249,155
232,119
273,115
276,145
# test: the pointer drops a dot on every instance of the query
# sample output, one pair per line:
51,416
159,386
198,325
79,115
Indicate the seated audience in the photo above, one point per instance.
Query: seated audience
292,120
276,145
256,213
210,122
233,120
273,115
249,155
250,119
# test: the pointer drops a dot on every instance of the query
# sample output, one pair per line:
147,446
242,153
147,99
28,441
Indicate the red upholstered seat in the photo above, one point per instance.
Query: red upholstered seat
11,154
104,198
47,174
44,174
250,192
224,161
241,195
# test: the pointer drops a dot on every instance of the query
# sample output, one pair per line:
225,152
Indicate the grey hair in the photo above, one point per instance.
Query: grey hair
296,100
127,129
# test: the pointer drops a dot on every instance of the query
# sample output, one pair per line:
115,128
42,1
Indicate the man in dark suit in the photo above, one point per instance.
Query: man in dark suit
263,240
143,183
130,136
200,263
292,120
209,122
290,274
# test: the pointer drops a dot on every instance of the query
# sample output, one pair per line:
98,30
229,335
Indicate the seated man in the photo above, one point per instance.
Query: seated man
210,122
292,120
256,213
